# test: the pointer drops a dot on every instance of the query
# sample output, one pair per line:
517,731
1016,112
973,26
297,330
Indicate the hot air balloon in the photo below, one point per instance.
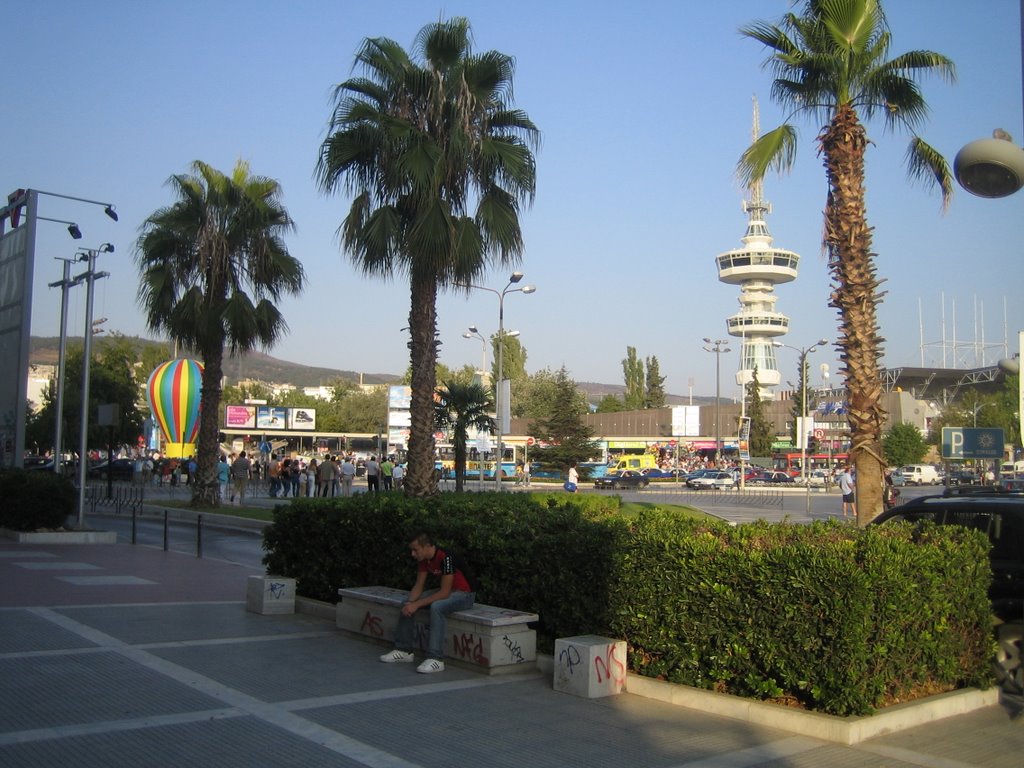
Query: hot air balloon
173,391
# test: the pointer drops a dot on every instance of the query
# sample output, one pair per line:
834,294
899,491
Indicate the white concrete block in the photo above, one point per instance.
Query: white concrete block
270,595
590,666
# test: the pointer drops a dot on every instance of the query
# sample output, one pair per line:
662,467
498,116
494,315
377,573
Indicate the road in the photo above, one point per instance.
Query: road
242,543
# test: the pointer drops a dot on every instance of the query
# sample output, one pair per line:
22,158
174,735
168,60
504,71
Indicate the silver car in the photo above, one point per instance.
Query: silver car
712,480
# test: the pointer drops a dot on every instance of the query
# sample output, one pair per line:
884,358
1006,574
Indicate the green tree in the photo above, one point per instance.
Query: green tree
762,431
562,427
633,377
111,380
655,394
437,162
611,404
459,407
213,264
904,445
513,368
831,61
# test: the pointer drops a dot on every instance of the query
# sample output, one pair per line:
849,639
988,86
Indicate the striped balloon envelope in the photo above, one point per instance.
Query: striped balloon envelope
173,390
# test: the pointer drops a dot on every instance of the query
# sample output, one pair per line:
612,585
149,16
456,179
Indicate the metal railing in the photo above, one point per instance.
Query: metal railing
131,498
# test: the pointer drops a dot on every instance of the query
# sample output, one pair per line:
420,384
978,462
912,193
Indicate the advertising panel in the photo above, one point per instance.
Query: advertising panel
239,416
271,417
302,418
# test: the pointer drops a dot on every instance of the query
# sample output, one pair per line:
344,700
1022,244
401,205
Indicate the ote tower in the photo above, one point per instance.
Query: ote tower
757,267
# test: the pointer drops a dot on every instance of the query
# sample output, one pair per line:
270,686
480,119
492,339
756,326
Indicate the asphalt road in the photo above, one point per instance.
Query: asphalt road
243,544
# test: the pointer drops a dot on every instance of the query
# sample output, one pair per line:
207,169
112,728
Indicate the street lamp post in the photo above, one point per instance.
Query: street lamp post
89,276
499,401
474,333
804,351
65,285
716,347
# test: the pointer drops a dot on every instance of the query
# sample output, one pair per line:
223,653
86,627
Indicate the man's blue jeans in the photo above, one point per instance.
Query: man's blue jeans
439,610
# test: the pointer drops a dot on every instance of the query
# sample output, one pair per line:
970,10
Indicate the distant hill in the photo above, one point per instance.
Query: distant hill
45,350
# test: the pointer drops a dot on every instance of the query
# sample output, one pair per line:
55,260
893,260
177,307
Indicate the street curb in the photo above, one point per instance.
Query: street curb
60,537
841,730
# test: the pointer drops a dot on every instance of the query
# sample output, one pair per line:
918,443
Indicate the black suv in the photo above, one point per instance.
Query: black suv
1000,514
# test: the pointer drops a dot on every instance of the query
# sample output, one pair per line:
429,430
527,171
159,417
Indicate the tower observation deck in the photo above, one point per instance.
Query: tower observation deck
757,267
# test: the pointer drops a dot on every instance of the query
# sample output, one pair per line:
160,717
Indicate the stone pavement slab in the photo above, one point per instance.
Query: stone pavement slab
178,673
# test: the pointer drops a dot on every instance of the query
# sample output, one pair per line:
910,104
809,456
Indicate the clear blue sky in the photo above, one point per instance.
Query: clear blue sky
644,111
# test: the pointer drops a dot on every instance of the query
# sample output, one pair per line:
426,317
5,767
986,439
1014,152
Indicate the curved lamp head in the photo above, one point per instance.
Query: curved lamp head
467,335
990,167
529,288
516,277
473,329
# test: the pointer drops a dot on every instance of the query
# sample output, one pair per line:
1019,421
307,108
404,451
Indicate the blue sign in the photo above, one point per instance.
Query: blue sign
972,443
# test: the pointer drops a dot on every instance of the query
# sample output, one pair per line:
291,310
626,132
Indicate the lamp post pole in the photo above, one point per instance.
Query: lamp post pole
716,347
802,433
474,333
499,404
89,276
65,285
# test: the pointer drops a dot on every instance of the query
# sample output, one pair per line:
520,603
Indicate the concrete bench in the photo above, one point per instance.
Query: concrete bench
493,640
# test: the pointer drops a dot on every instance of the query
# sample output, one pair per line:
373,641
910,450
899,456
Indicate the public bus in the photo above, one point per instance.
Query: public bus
789,462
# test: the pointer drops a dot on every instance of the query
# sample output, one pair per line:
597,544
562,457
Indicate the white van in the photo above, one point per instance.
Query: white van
920,474
1012,468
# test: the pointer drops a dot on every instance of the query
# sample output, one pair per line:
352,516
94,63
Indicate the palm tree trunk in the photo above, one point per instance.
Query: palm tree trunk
855,295
421,480
205,487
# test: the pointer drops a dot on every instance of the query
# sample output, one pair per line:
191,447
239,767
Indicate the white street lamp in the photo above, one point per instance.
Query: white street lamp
500,405
716,347
90,276
474,333
802,432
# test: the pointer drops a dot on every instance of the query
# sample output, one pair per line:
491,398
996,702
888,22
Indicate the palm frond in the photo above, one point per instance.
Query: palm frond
773,150
925,164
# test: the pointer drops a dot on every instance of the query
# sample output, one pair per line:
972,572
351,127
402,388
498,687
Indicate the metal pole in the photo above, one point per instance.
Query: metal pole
803,429
718,407
497,389
65,284
83,434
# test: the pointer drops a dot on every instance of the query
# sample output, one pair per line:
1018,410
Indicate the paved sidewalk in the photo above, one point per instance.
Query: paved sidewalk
114,655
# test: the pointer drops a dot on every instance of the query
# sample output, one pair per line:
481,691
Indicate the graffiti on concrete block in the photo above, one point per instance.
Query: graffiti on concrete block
372,625
469,646
610,667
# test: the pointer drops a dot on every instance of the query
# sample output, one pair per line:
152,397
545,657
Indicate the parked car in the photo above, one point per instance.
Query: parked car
628,478
1000,514
118,469
963,477
712,479
773,478
817,478
655,473
898,478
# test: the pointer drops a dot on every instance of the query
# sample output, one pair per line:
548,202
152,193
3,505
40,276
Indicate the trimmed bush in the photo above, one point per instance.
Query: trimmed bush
34,499
825,616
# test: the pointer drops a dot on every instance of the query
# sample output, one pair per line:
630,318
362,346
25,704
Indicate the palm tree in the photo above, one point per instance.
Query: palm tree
437,162
459,407
213,263
831,61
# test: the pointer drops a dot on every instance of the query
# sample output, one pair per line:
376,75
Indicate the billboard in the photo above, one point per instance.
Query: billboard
271,417
302,418
240,416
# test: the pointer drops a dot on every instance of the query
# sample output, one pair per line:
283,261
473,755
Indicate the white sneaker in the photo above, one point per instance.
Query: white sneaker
430,666
396,655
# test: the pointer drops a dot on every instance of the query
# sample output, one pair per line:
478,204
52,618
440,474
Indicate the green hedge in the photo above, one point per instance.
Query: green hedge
546,553
34,499
835,618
